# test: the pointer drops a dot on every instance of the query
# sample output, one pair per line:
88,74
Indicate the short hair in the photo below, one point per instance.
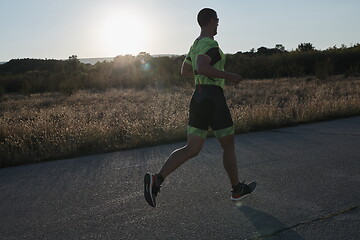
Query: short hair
205,15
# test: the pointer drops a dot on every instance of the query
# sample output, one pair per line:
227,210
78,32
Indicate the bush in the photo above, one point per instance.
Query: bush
142,71
2,92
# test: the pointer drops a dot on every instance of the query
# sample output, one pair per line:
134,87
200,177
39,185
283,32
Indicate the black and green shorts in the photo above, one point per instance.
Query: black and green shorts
208,108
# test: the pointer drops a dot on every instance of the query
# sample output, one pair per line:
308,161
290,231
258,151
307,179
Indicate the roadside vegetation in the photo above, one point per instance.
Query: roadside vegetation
27,76
53,109
53,126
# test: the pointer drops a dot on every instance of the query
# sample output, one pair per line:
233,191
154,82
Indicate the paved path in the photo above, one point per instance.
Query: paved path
308,176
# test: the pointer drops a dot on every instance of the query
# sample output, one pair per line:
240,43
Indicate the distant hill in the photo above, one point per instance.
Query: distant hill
19,66
166,55
92,61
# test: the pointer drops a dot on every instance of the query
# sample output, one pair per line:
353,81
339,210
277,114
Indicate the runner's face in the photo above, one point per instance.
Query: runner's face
215,22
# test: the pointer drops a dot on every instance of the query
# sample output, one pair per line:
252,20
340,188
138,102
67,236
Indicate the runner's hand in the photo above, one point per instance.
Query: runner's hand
234,78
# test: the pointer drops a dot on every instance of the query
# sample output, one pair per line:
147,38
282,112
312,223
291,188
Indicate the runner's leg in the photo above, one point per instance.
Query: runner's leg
181,155
229,158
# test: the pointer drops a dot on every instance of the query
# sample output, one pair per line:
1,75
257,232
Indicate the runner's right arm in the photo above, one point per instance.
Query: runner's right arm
186,70
204,68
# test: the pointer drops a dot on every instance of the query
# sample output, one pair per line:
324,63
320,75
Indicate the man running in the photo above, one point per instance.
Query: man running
208,108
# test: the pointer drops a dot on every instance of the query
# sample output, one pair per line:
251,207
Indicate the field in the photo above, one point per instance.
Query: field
51,126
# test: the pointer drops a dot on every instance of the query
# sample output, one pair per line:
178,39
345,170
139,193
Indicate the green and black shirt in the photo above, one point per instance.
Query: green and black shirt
209,47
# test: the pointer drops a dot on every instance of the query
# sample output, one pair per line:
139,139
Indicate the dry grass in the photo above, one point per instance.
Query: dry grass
275,103
54,126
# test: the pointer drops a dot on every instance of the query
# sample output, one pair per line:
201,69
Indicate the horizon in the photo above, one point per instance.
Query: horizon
93,29
176,55
92,61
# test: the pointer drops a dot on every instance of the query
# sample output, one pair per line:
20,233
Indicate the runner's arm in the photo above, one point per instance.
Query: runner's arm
204,68
186,70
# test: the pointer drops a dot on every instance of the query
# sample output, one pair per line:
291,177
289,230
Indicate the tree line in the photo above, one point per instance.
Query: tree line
304,61
38,75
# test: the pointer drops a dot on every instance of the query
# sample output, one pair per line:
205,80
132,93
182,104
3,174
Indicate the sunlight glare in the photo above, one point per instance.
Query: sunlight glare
125,33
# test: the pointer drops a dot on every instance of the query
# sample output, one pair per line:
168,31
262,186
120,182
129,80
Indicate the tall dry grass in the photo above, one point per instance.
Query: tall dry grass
275,103
54,126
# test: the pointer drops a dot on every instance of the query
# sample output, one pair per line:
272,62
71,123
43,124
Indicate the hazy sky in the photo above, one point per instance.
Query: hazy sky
107,28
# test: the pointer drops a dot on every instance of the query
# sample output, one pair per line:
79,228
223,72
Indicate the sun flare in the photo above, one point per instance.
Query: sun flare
125,33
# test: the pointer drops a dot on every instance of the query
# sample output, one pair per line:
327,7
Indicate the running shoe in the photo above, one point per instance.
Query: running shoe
151,189
242,190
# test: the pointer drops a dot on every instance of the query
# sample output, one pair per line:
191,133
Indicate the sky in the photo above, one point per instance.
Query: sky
57,29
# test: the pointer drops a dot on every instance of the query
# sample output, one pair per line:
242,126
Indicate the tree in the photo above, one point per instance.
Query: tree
303,47
280,48
271,51
263,50
73,58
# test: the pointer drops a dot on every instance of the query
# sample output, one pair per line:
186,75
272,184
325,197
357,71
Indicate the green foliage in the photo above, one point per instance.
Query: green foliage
269,63
303,47
29,76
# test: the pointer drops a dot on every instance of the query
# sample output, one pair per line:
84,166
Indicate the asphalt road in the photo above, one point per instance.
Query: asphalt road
308,188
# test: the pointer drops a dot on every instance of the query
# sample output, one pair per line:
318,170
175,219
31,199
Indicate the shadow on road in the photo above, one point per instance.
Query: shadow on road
267,226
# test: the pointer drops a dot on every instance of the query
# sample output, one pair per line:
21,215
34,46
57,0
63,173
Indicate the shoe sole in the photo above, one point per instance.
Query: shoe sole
252,186
148,183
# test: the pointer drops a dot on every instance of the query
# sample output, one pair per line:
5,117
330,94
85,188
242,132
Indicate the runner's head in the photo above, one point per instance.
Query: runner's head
208,18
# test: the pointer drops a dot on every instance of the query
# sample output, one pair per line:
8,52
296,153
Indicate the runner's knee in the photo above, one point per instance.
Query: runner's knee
227,143
193,151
